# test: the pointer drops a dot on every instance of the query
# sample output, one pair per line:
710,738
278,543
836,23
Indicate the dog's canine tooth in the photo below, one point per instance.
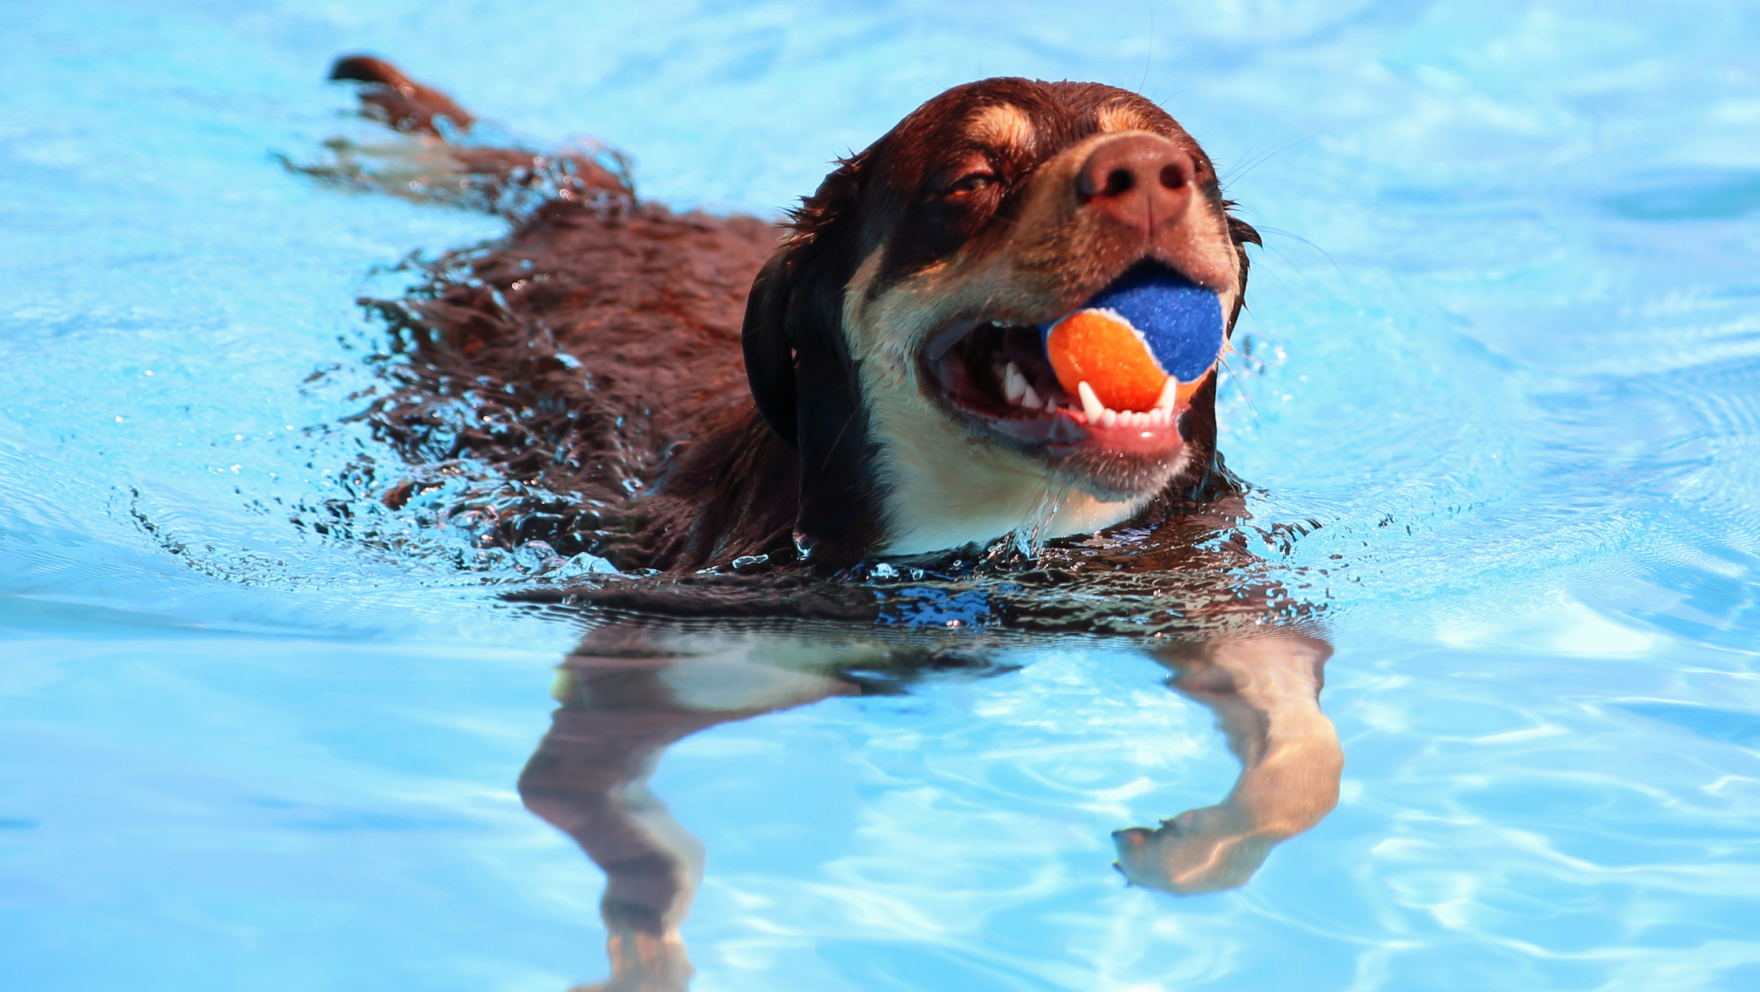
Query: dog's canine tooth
1169,394
1091,404
1029,398
1014,385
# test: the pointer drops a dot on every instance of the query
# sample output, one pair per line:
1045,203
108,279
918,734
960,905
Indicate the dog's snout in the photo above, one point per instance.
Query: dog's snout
1140,180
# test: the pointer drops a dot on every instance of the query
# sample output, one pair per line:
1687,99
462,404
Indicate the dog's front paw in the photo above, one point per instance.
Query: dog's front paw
1200,850
644,962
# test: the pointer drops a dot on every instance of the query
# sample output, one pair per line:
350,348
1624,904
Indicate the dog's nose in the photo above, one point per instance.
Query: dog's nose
1139,180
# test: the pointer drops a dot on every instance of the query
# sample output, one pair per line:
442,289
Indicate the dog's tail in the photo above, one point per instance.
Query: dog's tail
447,155
400,102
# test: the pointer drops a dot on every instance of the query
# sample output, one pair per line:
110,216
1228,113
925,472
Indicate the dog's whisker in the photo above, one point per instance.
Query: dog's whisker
1254,161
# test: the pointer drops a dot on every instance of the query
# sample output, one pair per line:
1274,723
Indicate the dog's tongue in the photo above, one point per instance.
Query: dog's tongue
1133,335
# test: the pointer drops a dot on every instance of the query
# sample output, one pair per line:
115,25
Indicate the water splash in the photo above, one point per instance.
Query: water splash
1021,546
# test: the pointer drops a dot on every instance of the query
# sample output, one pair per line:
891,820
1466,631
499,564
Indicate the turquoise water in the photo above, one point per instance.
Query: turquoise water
1505,352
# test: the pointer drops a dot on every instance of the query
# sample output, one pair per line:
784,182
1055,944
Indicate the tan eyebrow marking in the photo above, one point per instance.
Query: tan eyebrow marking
1123,117
1004,125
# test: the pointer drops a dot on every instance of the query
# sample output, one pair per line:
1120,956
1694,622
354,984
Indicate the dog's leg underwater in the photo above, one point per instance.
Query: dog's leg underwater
1265,691
626,698
588,778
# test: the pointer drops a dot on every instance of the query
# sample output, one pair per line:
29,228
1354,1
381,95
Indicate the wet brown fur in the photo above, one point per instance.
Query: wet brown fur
605,349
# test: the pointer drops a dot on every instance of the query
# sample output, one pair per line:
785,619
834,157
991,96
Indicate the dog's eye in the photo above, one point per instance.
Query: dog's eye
968,183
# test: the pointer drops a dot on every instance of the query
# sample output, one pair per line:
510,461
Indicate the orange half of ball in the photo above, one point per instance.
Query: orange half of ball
1102,349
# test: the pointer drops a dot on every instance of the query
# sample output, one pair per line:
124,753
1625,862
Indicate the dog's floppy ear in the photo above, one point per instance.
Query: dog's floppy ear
768,347
799,366
1242,234
780,310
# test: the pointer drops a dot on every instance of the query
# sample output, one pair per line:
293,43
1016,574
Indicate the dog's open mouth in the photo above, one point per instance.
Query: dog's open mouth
1003,378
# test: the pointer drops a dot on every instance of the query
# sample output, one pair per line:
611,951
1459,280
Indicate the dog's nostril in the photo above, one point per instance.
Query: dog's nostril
1173,176
1118,181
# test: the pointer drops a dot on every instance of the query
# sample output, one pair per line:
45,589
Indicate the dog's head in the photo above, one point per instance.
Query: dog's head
878,339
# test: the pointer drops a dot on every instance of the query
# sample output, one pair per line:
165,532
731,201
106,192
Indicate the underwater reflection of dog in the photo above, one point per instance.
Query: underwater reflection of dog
717,393
631,690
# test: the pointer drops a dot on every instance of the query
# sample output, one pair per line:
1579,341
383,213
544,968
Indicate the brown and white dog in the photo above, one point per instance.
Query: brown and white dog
874,337
600,357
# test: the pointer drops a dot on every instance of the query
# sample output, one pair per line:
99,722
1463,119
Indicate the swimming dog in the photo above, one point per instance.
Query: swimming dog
870,378
867,379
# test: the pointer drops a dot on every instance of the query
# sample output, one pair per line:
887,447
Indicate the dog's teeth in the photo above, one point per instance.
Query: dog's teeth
1157,417
1109,418
1169,394
1091,405
1013,383
1029,398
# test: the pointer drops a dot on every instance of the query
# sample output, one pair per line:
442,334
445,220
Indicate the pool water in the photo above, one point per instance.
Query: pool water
1500,395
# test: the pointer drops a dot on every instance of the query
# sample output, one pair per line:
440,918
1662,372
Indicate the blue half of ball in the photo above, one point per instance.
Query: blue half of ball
1180,320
